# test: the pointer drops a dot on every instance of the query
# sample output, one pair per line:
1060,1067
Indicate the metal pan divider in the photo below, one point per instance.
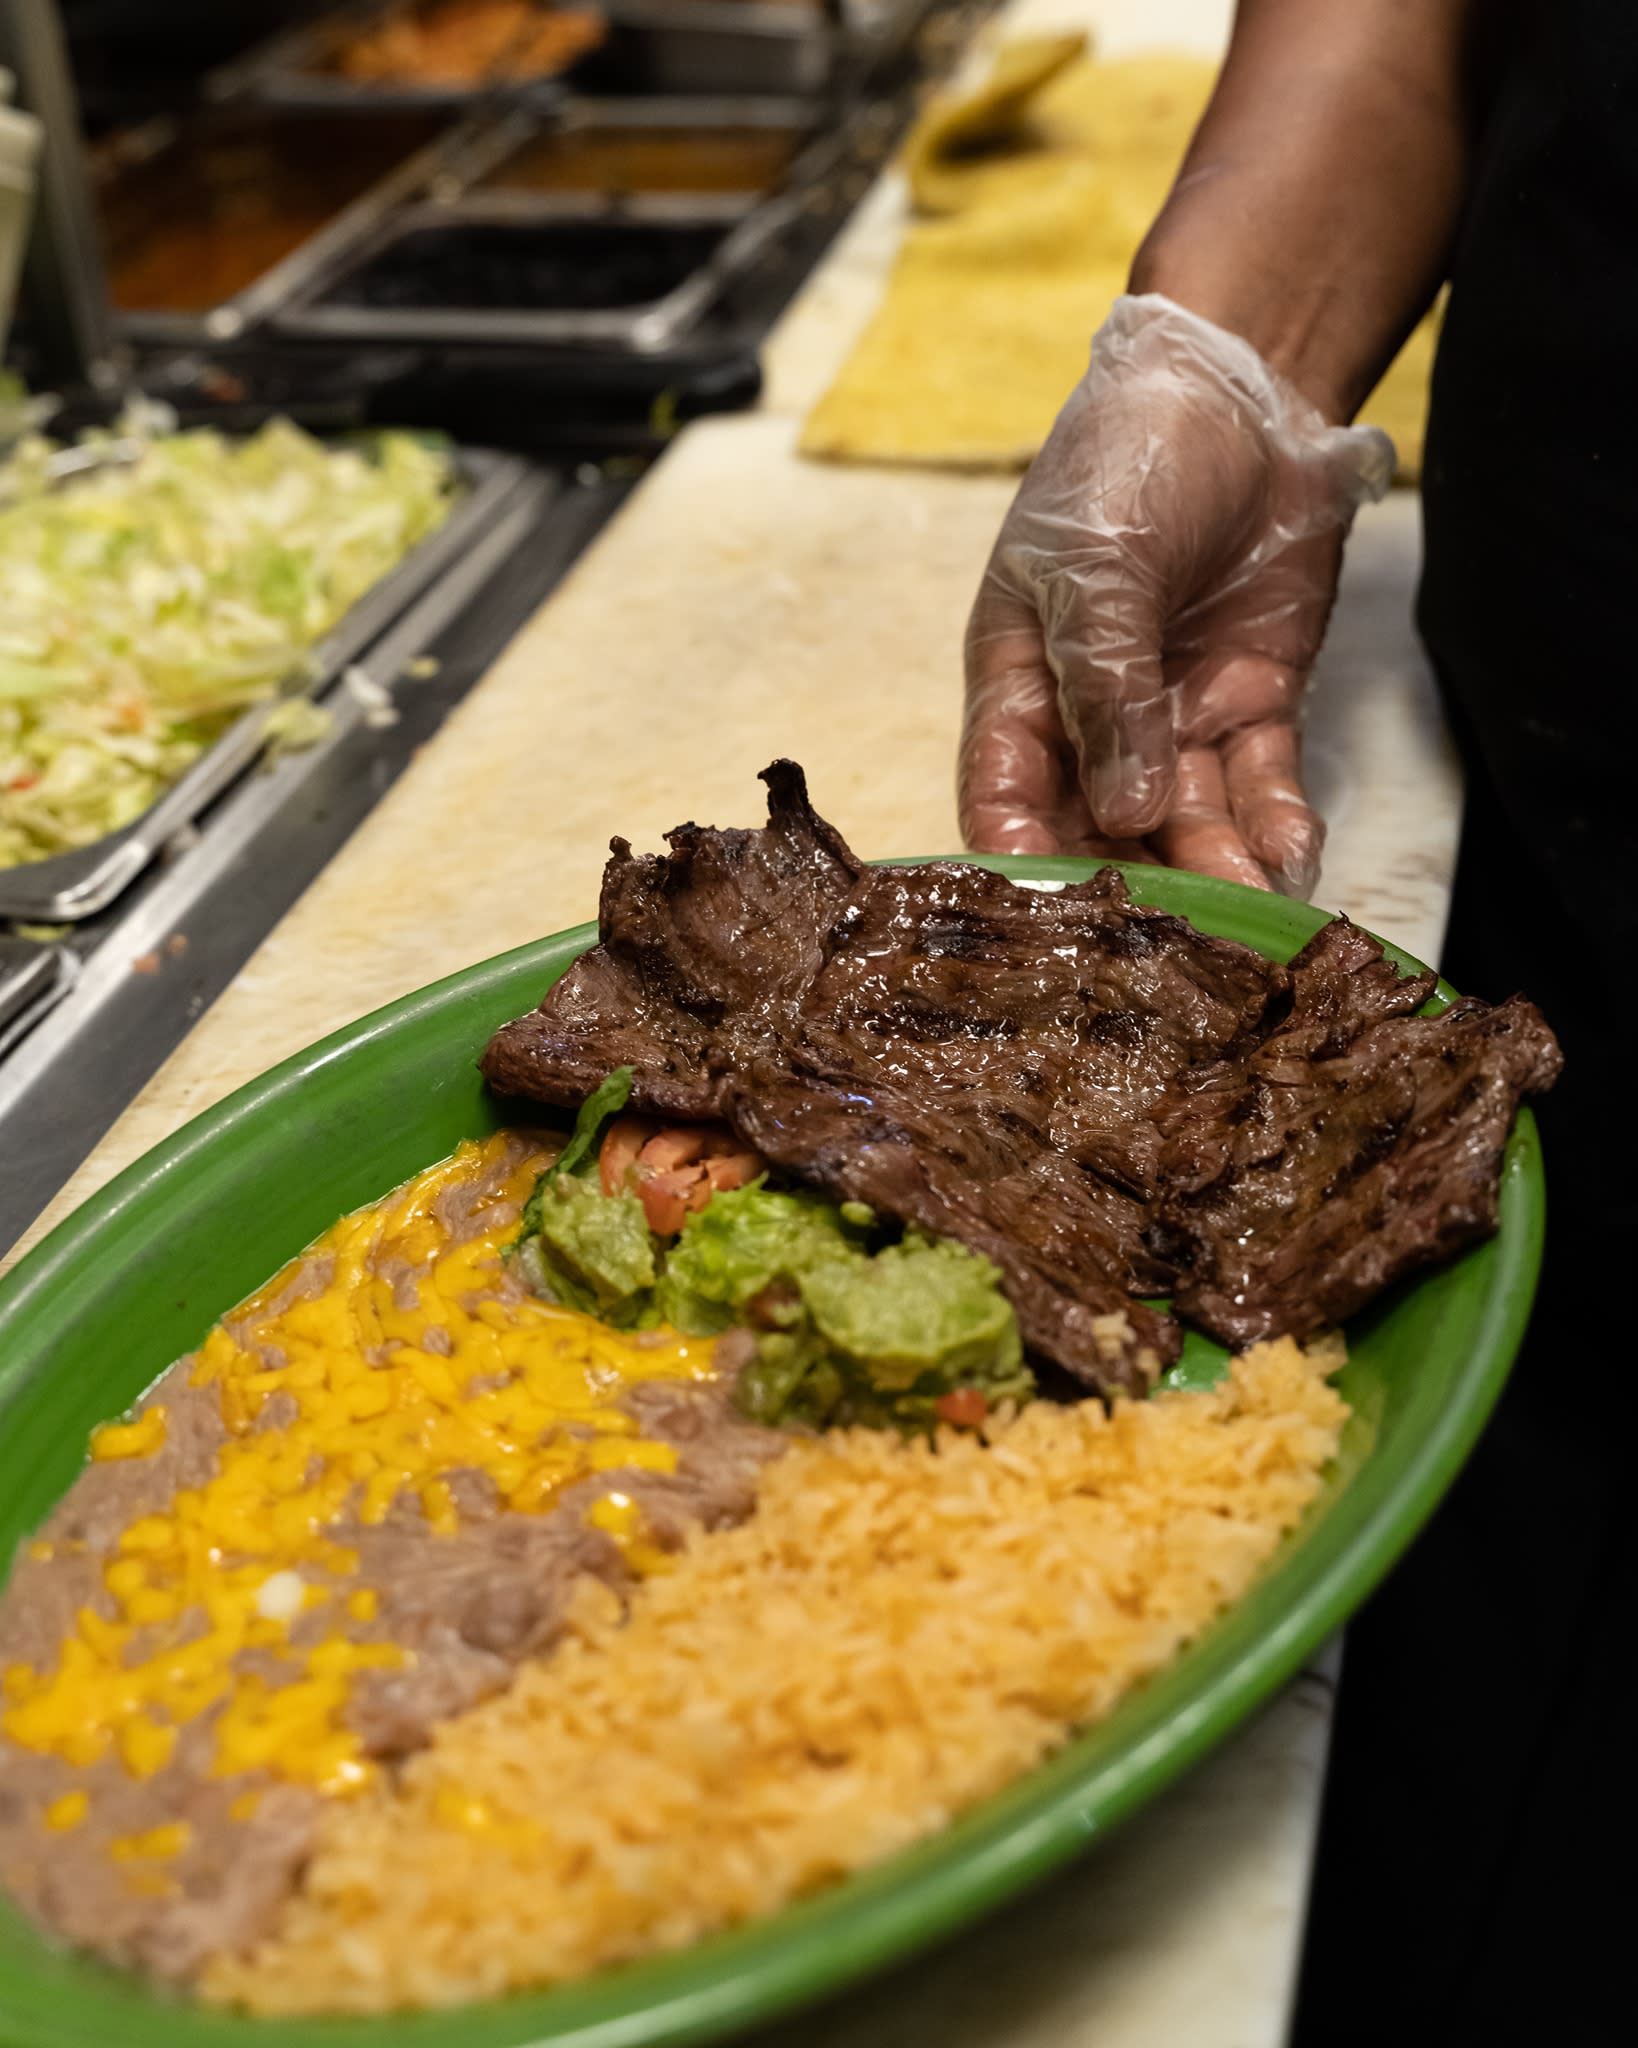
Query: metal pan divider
473,148
681,308
34,978
745,245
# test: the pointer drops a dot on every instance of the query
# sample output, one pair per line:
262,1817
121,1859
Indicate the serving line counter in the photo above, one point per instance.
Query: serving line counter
743,604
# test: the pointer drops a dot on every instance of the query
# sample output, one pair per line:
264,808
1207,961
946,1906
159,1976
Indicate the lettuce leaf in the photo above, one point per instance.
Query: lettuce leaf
603,1103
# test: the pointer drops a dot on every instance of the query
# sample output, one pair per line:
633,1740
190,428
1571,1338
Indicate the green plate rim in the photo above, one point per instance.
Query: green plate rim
886,1913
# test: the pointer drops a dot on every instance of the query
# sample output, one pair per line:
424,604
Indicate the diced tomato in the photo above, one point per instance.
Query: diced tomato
667,1197
622,1142
21,782
734,1170
679,1145
965,1407
675,1168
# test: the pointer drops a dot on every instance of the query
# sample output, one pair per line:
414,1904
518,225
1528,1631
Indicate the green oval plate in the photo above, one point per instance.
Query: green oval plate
136,1276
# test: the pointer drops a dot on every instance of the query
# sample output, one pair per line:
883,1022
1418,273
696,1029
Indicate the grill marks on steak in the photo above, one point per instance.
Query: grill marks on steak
958,1052
1067,1247
1103,1100
981,1059
703,950
1338,1175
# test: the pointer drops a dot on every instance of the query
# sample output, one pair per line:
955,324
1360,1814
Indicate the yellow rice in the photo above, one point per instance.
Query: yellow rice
897,1632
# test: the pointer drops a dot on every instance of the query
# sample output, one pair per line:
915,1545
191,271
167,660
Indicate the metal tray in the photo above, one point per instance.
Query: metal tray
716,46
745,46
752,228
76,885
741,47
480,152
233,315
473,166
288,70
33,979
152,962
452,200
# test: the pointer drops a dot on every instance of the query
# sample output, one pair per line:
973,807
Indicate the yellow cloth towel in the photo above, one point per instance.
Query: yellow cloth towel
1031,195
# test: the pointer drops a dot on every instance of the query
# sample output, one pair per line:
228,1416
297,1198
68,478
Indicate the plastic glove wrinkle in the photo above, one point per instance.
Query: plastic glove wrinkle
1176,544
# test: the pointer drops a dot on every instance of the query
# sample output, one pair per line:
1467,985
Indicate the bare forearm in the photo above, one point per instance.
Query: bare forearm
1315,209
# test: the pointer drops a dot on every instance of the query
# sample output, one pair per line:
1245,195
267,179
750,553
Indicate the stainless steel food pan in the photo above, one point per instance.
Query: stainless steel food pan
291,69
744,46
741,232
480,150
737,47
133,155
70,886
653,46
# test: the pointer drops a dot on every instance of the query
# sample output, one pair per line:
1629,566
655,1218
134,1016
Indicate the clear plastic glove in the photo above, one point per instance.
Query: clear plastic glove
1138,649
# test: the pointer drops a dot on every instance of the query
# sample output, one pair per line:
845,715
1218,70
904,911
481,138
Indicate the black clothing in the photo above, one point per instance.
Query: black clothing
1465,1889
1530,595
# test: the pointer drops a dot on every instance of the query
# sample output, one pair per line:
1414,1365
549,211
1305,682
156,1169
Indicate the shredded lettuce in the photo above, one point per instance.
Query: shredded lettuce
144,604
605,1101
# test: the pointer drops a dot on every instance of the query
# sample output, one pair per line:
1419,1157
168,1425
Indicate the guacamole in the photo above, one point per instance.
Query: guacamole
591,1251
852,1321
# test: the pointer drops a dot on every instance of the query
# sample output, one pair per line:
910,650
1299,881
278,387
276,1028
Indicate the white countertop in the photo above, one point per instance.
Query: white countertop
747,604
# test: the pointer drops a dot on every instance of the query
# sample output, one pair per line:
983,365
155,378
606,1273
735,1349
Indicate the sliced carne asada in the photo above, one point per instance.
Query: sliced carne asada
1089,1091
955,1050
1338,1175
979,1059
701,951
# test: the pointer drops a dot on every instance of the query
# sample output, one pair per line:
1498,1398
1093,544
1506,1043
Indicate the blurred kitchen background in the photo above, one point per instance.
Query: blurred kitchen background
543,233
552,223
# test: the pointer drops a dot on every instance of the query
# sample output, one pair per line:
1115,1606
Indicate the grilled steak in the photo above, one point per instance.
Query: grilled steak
1336,1175
704,951
1098,1097
981,1059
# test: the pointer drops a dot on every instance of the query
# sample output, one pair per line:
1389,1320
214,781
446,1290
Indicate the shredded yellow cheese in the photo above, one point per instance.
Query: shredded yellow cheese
621,1519
388,1403
159,1844
67,1812
139,1439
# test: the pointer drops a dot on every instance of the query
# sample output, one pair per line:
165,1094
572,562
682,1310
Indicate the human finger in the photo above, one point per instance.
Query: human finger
1200,832
1015,791
1263,778
1103,631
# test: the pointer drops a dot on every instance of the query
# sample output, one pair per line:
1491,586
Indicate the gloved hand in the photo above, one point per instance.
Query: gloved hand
1159,590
